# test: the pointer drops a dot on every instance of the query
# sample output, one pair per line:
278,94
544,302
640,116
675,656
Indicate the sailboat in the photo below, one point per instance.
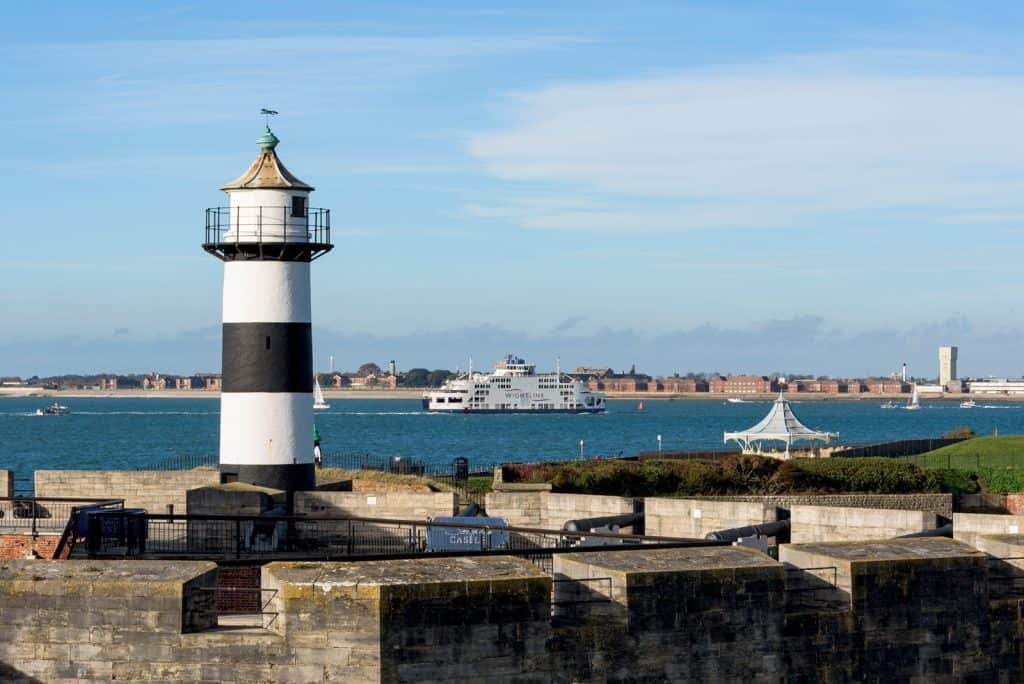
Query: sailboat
640,406
915,401
318,396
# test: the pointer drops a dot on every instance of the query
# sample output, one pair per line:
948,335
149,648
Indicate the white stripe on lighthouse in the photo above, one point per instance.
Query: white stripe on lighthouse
266,292
267,428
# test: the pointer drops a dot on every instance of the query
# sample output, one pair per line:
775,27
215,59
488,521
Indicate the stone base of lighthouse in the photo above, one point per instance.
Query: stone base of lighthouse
290,477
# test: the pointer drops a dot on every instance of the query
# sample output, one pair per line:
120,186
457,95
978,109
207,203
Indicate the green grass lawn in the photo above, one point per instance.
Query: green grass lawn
979,453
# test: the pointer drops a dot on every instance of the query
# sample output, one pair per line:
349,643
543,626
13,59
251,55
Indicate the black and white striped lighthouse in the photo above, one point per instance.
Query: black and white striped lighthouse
267,237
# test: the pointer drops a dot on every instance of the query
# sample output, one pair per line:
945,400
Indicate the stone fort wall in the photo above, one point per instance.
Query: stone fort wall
898,610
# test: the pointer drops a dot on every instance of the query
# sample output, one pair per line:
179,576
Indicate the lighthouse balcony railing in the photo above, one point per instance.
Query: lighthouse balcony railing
267,224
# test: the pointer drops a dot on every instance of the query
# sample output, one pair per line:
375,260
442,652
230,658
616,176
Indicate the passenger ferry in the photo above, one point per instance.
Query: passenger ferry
513,387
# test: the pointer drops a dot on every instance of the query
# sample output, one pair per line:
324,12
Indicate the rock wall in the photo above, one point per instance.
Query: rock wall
149,489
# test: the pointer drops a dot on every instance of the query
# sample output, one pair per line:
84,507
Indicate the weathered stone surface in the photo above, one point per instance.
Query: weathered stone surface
695,518
706,602
917,608
149,489
834,523
393,505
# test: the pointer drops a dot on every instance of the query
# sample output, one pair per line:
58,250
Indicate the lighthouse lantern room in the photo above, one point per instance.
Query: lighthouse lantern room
267,237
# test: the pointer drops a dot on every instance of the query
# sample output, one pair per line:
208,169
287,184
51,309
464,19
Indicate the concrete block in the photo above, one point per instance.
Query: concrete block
835,524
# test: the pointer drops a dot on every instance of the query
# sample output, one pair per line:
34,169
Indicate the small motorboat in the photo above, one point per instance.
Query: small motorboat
54,409
970,403
890,405
734,400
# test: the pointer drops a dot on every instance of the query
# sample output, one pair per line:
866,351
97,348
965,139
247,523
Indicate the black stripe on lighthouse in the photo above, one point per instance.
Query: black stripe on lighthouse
267,357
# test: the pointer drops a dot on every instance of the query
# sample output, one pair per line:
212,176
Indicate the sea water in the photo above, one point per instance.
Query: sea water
136,432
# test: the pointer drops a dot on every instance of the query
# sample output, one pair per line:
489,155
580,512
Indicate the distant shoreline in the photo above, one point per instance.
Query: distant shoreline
417,393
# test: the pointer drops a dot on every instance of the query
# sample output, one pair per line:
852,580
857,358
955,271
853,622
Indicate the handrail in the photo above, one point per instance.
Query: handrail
418,523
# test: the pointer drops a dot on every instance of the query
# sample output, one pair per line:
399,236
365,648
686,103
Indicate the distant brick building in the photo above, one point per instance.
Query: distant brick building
183,383
742,384
854,386
154,382
677,385
627,383
108,384
814,386
886,386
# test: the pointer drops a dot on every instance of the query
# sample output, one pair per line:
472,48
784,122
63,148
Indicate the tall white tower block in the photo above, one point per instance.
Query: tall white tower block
267,237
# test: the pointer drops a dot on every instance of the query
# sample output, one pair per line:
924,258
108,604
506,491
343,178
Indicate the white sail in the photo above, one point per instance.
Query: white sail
915,400
318,396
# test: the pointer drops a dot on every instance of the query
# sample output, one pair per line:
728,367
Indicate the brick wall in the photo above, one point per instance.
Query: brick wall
149,489
238,589
20,545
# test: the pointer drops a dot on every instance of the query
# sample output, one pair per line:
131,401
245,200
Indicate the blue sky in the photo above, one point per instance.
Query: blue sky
794,186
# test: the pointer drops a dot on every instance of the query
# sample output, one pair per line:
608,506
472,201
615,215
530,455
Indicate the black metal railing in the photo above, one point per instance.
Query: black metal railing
183,462
332,538
45,514
260,224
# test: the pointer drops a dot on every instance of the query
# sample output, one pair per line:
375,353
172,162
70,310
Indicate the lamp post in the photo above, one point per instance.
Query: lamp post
659,444
581,449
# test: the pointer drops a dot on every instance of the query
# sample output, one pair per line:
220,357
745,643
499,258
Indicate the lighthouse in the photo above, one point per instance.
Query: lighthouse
267,237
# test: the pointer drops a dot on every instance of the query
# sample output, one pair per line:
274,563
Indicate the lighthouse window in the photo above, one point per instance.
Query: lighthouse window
298,206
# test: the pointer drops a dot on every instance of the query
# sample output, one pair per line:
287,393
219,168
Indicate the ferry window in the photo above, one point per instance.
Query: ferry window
298,206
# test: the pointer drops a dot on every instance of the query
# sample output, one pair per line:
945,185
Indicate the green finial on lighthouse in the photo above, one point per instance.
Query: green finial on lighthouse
268,140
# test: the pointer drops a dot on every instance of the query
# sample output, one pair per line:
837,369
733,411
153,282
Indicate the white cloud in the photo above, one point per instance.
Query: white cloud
765,144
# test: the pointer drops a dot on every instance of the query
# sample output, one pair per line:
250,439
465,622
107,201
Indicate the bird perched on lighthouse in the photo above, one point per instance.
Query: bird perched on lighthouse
267,237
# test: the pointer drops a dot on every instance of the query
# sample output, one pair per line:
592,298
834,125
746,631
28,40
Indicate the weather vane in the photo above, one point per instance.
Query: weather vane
267,113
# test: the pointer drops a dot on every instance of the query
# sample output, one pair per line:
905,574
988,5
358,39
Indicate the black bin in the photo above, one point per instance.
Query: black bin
460,469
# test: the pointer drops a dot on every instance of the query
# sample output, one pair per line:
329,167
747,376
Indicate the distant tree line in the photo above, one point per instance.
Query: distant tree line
421,377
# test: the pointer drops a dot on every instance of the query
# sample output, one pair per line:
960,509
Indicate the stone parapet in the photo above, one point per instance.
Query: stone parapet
835,523
937,503
720,608
396,505
914,610
153,490
695,518
968,527
429,620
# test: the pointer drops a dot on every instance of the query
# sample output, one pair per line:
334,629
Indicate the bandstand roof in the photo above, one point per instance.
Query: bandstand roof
781,425
267,171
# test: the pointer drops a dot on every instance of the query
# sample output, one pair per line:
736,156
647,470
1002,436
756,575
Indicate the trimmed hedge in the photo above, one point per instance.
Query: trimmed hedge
740,474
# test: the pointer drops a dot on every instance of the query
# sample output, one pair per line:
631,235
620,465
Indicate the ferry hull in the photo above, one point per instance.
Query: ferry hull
521,410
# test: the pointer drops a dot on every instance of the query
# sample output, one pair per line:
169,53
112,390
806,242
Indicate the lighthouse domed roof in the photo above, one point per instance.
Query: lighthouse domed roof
267,171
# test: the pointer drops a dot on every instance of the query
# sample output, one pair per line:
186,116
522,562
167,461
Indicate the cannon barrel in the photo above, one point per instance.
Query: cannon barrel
588,524
470,511
769,529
